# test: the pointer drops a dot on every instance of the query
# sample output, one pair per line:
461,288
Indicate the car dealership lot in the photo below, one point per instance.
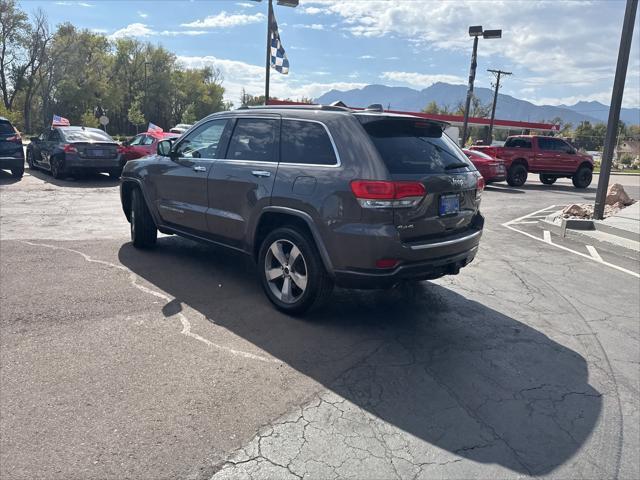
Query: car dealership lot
172,364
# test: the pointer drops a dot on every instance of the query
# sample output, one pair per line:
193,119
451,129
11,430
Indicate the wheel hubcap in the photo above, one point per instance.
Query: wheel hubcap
286,271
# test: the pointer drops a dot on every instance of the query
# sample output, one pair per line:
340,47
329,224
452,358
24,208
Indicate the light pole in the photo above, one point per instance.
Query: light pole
498,74
475,32
614,109
267,67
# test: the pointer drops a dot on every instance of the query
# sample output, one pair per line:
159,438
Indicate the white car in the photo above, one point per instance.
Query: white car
181,128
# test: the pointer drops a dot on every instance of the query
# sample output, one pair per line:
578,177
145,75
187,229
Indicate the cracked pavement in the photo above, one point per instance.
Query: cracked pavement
524,365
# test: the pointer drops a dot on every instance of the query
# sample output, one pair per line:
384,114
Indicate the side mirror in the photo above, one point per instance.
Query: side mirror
164,148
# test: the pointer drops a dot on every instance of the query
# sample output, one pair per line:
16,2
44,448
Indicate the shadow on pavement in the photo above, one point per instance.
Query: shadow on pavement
555,188
448,370
87,180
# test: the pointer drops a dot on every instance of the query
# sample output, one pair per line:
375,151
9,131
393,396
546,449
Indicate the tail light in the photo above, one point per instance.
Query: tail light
387,194
480,186
387,263
68,148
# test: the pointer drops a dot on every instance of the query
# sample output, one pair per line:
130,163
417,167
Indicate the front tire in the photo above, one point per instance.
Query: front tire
582,178
548,179
517,175
143,229
291,271
30,162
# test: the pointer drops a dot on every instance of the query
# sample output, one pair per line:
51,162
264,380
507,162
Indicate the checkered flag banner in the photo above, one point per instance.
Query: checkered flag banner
279,60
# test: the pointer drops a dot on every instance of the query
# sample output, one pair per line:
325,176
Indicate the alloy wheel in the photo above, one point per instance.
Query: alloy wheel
286,271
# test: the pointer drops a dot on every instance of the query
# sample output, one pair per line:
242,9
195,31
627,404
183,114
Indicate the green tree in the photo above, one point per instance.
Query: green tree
88,119
189,116
135,115
432,107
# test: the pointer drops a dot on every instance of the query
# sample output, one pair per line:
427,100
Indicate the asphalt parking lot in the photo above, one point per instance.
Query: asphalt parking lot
172,364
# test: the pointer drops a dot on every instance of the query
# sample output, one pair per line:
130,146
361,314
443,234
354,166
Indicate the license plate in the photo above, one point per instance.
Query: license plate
449,204
97,153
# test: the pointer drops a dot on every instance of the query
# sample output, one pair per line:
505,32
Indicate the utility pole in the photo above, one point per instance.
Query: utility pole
614,110
497,73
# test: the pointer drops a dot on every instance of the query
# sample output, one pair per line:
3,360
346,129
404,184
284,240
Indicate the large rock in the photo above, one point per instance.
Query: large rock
617,195
578,211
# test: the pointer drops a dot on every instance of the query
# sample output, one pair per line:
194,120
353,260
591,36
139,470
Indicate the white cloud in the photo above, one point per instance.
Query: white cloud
225,20
246,4
366,57
75,4
238,75
312,10
142,14
312,26
422,80
558,43
141,30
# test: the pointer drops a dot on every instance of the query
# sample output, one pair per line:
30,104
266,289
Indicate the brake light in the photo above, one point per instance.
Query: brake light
68,148
480,186
387,194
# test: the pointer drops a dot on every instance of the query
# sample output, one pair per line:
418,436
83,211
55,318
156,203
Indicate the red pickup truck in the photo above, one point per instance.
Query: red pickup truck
550,157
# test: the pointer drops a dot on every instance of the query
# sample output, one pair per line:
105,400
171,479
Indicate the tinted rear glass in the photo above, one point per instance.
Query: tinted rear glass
86,136
6,129
306,142
414,146
518,142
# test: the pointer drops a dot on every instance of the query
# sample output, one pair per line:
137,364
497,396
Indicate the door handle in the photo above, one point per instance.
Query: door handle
260,173
199,169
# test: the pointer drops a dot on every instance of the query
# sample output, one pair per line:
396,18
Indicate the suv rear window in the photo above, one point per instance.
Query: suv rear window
518,142
306,142
414,146
93,135
6,128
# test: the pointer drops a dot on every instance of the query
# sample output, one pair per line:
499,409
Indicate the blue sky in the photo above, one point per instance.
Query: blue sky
560,52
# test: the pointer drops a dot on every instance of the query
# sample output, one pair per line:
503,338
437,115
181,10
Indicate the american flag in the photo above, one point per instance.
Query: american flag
279,60
154,128
59,121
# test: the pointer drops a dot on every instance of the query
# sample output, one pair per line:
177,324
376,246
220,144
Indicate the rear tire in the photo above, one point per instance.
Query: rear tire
143,229
57,169
548,179
582,178
17,172
291,271
517,175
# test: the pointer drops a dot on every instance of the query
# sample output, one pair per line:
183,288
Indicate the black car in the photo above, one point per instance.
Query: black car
65,151
11,152
316,195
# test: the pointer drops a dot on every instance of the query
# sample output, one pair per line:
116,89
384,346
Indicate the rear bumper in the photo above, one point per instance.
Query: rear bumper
427,270
11,162
424,260
96,164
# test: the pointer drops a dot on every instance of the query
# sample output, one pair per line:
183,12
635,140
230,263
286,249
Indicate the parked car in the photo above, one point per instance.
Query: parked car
492,169
317,195
181,128
11,152
144,144
66,151
550,157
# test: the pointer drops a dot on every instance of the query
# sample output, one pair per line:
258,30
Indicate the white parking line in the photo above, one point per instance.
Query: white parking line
510,224
517,220
594,253
547,236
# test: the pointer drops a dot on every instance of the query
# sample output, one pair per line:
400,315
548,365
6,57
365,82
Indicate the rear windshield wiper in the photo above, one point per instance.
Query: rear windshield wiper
451,166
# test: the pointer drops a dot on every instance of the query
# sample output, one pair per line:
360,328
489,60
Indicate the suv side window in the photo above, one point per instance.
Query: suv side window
203,141
518,142
254,139
306,142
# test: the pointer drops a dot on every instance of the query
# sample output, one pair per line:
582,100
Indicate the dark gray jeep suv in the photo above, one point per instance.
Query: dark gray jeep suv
317,195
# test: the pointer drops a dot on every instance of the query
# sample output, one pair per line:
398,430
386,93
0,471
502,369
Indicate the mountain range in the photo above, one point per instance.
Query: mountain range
508,108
